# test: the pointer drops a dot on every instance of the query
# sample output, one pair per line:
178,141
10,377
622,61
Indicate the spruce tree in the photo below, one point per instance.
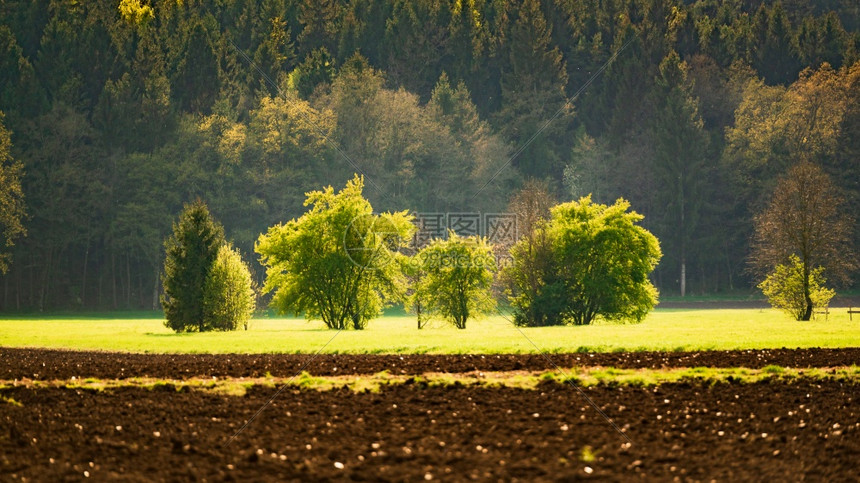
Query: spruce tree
191,253
680,166
533,82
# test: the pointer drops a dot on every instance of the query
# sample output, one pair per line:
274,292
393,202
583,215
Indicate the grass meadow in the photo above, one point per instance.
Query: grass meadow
663,329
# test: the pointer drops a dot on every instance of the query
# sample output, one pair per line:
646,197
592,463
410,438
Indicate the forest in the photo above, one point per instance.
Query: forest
116,113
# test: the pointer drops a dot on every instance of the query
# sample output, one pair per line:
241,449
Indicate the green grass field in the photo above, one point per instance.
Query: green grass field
664,329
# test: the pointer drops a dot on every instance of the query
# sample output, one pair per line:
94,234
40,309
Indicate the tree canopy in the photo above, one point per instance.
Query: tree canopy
457,274
600,262
804,227
337,261
121,112
191,253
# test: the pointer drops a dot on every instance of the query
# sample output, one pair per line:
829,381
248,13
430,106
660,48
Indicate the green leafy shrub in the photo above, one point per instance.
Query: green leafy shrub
784,288
458,275
228,295
594,262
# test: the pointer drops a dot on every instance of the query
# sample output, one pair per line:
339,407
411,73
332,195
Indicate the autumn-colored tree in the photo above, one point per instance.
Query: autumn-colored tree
529,277
804,220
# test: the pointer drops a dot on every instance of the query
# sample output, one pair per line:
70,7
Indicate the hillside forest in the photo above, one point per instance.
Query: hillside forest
116,113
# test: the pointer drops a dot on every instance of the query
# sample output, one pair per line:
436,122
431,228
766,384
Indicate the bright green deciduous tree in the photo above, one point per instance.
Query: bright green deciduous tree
604,258
228,296
786,288
191,253
601,260
457,278
337,262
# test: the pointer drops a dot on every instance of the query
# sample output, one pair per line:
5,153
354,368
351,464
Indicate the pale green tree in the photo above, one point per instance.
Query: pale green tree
790,287
228,294
457,275
337,262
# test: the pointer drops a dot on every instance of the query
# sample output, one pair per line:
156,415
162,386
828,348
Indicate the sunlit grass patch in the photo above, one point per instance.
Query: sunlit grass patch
10,401
662,330
528,380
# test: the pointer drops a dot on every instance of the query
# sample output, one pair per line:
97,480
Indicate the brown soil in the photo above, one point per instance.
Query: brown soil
60,364
776,431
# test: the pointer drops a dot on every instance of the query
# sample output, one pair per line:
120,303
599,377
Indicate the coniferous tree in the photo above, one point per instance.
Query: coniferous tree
191,252
679,165
320,20
316,69
415,39
275,54
533,83
196,82
461,45
775,56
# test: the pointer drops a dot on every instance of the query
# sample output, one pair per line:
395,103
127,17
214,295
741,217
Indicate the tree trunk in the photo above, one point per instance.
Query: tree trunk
141,298
113,277
807,311
127,281
84,276
155,290
17,290
31,295
46,275
683,239
683,276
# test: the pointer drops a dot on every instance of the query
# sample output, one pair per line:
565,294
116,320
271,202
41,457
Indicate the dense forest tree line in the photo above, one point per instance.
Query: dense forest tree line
122,111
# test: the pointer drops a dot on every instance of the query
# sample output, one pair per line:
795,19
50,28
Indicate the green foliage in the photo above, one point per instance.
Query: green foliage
122,109
337,261
228,297
600,264
457,275
316,69
784,288
804,224
134,13
11,198
531,279
604,259
191,253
